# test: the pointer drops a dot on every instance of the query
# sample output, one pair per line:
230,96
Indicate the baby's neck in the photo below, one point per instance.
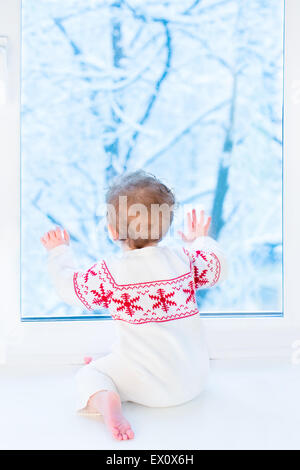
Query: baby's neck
126,247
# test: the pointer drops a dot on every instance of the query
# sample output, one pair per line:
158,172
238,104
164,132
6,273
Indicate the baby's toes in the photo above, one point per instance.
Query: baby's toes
127,431
130,433
117,434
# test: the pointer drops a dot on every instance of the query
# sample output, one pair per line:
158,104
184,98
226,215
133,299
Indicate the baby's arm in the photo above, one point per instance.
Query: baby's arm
91,288
207,257
61,266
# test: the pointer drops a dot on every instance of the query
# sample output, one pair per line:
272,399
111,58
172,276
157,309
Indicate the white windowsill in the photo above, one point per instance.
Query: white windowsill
245,398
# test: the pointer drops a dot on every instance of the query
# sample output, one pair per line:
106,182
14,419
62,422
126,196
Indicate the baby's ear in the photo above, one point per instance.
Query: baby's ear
113,232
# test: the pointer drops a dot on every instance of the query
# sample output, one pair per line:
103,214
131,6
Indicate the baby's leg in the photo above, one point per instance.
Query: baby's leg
108,403
98,394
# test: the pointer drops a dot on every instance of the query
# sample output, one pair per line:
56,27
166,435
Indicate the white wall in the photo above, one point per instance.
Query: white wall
9,171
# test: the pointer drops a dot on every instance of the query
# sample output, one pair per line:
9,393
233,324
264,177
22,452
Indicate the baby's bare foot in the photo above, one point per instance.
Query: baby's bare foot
109,404
114,419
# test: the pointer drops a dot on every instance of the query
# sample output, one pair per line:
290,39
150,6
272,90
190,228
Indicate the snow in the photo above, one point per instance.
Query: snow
189,90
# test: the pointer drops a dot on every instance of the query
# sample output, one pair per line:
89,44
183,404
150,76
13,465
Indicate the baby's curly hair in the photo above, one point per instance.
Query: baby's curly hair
149,209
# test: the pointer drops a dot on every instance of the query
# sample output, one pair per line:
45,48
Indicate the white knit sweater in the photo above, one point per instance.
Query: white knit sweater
150,293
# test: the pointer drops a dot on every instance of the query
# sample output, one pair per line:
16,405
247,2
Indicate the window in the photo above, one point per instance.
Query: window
251,330
191,91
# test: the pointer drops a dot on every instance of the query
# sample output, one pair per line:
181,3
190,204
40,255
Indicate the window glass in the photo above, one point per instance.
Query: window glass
191,91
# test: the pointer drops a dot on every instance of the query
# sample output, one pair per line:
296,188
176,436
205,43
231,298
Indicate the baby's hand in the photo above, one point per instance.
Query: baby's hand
54,238
196,227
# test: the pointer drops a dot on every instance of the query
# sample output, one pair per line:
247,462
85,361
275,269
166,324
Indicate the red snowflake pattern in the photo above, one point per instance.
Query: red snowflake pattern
191,293
128,304
159,300
200,278
200,254
102,297
163,300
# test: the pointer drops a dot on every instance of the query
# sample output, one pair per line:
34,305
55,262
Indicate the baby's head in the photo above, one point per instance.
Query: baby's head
140,209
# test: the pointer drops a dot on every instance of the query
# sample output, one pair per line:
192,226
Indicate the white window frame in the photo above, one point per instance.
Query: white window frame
67,341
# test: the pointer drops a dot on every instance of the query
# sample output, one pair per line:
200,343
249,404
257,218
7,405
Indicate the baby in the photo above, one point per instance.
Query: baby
160,358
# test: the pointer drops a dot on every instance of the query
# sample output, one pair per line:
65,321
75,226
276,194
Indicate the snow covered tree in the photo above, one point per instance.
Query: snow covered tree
190,90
